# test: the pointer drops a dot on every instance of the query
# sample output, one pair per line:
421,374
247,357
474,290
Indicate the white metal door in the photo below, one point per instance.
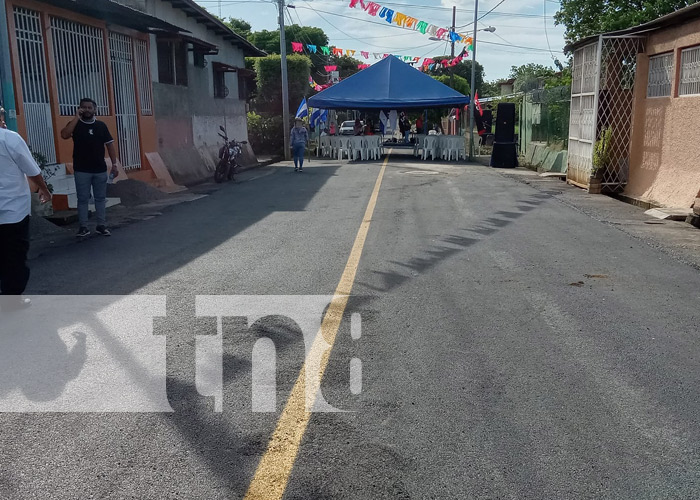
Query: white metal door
122,61
35,92
582,118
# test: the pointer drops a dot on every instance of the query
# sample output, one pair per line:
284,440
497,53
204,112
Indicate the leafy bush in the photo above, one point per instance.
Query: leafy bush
269,82
266,133
601,151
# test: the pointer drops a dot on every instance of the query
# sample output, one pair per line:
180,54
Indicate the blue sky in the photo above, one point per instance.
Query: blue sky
520,35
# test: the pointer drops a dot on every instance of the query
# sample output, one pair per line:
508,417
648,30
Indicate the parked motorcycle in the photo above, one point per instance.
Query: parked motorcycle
228,156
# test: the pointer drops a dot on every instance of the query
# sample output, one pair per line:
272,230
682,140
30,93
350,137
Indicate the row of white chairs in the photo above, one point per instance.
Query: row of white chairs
369,147
446,147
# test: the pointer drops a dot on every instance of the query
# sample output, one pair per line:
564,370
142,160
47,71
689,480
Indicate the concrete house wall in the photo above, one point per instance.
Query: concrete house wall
665,151
188,117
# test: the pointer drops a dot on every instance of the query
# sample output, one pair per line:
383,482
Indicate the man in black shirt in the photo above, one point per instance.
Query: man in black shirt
90,136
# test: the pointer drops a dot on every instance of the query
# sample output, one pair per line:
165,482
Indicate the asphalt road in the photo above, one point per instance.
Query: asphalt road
511,347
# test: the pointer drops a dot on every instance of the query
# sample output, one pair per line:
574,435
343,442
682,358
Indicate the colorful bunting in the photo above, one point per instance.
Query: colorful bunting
414,61
297,47
404,21
387,14
362,66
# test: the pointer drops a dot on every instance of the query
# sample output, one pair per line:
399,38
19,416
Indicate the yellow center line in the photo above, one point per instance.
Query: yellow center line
272,475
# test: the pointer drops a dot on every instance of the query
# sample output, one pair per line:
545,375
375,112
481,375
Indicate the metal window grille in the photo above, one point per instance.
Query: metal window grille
35,92
143,78
660,75
80,65
122,61
690,72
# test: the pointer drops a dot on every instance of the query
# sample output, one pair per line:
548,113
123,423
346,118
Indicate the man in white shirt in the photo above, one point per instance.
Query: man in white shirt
16,165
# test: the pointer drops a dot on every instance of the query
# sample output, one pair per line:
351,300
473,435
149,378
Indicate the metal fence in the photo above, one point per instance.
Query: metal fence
544,117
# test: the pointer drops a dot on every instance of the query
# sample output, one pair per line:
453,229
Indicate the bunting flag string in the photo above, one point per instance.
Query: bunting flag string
337,51
411,23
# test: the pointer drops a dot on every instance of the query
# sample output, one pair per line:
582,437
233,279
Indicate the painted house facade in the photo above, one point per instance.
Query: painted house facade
636,95
159,80
199,84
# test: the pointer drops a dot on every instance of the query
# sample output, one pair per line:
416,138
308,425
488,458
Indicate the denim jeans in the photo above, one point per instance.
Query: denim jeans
298,154
84,181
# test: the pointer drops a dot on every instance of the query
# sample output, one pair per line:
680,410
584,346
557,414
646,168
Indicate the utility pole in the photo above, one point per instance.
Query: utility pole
285,86
452,50
471,86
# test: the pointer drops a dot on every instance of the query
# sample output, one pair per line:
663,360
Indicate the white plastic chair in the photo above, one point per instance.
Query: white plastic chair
453,145
374,146
430,146
418,145
324,146
358,147
344,146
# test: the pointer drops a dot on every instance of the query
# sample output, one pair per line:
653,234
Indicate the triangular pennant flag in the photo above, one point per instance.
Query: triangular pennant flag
312,48
365,54
297,47
326,50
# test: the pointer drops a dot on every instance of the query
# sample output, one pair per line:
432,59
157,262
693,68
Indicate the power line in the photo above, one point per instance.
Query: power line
544,19
519,46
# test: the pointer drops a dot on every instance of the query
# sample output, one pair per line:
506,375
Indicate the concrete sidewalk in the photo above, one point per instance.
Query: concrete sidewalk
679,240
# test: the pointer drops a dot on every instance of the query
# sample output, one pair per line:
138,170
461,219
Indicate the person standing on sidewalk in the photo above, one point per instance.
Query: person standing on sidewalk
16,165
90,136
298,138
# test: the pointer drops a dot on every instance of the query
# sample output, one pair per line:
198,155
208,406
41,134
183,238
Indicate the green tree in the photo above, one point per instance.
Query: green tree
347,66
269,82
269,41
527,76
463,69
490,89
460,84
583,18
238,26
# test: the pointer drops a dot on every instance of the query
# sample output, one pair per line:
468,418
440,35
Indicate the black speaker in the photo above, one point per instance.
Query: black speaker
505,122
504,155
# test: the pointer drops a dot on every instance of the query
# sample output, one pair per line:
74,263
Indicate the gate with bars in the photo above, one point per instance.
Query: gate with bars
602,94
122,60
33,75
80,66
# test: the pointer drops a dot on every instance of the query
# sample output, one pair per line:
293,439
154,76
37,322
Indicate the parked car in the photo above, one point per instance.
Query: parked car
348,127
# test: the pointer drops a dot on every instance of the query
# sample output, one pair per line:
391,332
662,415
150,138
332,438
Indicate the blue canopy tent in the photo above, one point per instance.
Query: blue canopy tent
389,84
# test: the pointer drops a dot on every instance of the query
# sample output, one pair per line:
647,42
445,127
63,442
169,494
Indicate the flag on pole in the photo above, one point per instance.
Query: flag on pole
477,105
303,110
314,117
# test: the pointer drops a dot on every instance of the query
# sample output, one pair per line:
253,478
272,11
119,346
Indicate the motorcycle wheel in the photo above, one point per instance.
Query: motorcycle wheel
220,172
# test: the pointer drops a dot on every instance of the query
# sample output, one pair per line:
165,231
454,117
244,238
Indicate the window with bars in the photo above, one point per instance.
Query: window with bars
79,53
220,90
690,71
172,62
660,75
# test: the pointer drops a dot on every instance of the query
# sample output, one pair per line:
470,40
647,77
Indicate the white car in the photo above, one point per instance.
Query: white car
348,127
